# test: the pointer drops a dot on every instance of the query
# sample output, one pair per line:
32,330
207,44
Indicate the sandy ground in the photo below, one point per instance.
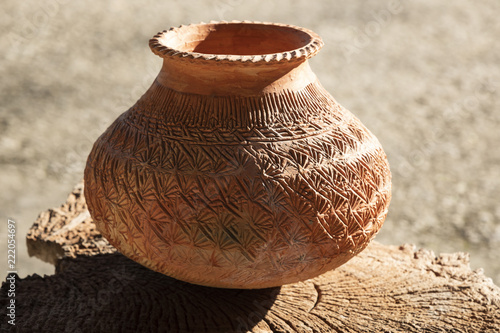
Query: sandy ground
422,75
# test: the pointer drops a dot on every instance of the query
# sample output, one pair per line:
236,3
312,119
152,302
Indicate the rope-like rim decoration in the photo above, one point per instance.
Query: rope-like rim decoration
301,54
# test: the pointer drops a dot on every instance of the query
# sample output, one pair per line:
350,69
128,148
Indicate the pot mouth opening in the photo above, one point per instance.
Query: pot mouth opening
237,42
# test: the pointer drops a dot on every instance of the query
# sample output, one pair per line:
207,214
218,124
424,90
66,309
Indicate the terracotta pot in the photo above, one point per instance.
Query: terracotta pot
236,169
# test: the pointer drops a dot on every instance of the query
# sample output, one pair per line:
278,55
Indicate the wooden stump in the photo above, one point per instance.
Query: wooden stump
384,289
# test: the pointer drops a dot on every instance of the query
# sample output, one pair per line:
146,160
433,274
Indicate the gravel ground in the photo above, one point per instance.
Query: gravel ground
422,75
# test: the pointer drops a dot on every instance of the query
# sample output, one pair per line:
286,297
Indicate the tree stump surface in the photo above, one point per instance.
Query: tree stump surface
384,289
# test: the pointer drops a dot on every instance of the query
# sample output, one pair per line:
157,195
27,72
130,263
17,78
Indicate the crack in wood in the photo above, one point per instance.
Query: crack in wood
317,296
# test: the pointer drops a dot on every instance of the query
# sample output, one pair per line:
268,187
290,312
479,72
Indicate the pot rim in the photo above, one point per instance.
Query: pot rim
309,43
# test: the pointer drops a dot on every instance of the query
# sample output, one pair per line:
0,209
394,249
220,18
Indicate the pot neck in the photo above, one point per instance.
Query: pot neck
235,58
239,79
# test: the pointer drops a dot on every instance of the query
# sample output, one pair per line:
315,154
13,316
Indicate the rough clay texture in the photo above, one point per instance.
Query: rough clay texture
383,289
245,188
424,80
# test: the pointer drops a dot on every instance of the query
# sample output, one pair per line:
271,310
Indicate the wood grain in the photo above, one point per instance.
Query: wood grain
384,289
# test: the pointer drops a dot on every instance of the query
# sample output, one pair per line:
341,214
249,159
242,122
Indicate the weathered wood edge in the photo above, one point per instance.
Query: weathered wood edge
66,232
385,288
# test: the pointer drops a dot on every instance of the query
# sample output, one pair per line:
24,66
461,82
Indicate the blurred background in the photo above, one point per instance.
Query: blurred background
423,76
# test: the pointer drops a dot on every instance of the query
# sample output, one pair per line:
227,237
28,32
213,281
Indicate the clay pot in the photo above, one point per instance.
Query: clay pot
236,169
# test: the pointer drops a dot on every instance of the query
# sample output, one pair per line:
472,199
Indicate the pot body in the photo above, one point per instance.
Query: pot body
250,183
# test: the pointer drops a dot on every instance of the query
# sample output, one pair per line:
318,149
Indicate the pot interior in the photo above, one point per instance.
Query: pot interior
237,38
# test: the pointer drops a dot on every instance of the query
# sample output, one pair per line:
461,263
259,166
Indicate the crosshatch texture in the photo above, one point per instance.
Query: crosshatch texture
238,191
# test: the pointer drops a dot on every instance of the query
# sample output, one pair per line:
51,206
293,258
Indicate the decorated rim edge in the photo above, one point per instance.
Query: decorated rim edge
300,54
